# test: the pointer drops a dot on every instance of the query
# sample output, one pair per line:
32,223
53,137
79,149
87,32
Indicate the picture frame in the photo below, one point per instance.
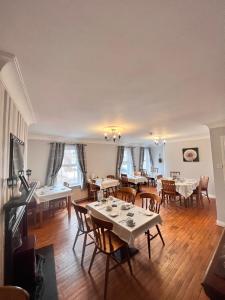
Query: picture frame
24,183
190,154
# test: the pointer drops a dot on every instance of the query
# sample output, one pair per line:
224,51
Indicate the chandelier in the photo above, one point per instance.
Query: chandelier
112,133
159,141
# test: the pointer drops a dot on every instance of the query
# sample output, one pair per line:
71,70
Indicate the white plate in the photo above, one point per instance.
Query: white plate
113,214
148,213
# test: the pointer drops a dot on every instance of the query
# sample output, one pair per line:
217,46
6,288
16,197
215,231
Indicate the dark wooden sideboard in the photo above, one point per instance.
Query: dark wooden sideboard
214,280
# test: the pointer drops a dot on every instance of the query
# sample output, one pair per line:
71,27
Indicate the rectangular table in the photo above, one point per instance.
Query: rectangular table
185,187
137,180
126,233
105,183
51,193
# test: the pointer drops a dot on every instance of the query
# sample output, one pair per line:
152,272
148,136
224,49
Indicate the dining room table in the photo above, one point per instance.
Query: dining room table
137,180
46,194
119,215
184,186
105,183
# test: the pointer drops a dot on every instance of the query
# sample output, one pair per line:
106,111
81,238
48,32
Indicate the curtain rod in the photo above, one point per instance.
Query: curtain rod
70,144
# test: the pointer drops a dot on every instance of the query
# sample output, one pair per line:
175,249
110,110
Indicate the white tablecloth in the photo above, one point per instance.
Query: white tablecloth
126,233
106,183
184,188
49,193
137,179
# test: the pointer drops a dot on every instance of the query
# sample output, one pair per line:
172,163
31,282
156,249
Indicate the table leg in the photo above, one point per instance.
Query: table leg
41,215
69,206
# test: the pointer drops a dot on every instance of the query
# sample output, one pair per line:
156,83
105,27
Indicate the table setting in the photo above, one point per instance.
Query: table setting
129,221
184,186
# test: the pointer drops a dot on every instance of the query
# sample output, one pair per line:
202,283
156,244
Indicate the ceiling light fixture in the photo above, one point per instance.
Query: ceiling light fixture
159,141
112,133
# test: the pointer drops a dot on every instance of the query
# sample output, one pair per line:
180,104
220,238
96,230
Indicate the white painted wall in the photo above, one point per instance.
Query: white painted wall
218,168
174,160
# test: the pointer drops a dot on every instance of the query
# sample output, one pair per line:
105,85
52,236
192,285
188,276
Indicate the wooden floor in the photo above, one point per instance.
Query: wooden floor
174,271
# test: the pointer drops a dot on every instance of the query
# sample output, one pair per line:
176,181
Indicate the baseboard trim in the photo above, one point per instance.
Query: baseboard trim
212,196
220,223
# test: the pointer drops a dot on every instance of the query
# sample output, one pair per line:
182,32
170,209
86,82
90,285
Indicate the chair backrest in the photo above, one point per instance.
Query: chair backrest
152,201
127,194
174,174
102,234
123,175
124,179
154,170
111,176
9,292
144,172
93,187
204,180
137,173
169,187
159,177
81,213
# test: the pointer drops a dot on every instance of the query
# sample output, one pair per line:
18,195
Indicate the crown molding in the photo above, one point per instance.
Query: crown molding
53,138
12,79
189,138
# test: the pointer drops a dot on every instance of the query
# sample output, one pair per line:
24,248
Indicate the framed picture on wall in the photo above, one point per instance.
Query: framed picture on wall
190,154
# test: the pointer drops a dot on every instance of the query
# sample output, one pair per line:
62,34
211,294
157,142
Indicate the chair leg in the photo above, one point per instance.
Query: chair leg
128,260
149,245
92,259
78,231
83,250
207,195
159,232
106,276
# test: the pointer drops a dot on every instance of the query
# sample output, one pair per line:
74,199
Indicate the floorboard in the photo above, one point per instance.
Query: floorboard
174,272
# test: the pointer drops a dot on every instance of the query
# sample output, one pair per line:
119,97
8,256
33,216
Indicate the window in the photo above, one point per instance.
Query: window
70,170
147,163
127,164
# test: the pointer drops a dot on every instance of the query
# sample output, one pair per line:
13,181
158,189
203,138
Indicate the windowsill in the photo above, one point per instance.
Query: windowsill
74,186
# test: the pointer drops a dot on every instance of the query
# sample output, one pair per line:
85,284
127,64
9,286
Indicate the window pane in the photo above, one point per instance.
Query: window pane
70,171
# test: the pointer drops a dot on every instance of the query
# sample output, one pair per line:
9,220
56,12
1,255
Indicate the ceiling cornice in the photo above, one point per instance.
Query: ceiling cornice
12,79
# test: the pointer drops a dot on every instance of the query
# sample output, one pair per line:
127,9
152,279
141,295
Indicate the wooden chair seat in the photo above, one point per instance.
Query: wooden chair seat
13,293
116,242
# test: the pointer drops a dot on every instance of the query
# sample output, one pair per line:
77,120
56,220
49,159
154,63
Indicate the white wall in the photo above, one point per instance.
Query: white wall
218,167
174,160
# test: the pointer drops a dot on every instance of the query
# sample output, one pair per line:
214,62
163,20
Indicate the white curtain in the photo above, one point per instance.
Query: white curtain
147,161
127,166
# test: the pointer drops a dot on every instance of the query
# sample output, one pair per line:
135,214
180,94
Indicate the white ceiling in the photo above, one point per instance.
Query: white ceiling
144,65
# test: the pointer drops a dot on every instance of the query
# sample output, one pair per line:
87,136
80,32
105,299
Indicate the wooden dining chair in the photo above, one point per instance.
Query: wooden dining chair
169,191
108,243
9,292
92,191
84,227
174,174
204,180
124,180
153,202
137,173
198,196
111,176
127,194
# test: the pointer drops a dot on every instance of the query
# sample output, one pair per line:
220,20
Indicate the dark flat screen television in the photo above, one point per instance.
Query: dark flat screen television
16,160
